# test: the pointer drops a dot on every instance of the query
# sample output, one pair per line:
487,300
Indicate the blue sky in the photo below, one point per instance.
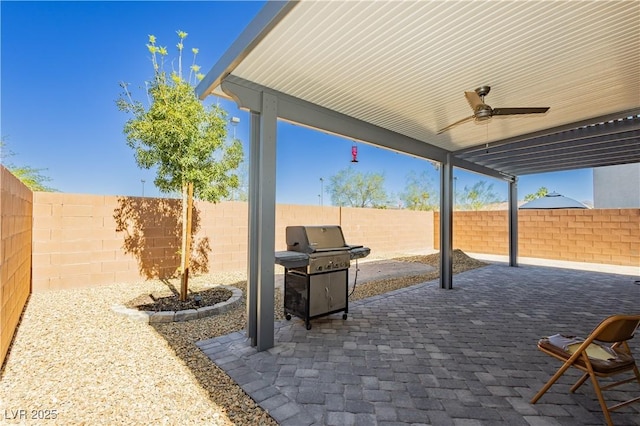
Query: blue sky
61,63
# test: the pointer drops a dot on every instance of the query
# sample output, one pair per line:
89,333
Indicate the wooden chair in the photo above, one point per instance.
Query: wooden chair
604,353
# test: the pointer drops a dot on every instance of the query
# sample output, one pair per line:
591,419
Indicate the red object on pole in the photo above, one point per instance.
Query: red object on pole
354,154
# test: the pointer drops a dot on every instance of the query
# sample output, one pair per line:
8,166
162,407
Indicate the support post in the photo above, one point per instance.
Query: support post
513,222
267,222
446,224
254,218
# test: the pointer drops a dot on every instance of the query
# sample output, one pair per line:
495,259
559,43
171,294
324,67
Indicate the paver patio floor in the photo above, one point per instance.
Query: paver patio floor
422,355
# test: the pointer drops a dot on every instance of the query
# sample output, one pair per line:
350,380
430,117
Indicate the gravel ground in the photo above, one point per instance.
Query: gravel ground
75,361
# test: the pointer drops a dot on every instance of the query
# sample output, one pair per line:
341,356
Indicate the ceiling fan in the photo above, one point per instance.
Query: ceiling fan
482,111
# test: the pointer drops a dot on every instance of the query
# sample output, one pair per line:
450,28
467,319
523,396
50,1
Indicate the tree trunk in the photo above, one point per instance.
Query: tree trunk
187,202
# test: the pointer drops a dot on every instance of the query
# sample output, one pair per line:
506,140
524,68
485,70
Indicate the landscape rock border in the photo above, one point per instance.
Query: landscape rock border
186,315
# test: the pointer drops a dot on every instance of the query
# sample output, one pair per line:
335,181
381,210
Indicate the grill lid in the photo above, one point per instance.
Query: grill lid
310,239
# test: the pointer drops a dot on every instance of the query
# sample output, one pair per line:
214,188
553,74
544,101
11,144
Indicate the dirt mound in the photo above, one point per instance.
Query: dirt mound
461,261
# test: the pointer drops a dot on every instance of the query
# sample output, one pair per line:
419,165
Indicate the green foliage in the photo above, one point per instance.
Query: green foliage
180,136
477,197
541,192
33,178
356,189
241,193
30,176
420,193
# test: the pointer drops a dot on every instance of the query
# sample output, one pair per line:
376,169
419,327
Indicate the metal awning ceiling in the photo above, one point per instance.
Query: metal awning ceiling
404,67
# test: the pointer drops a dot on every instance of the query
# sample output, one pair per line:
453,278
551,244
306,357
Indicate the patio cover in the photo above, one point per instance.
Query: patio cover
392,73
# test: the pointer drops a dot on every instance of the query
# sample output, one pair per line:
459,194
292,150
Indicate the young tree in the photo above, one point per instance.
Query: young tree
30,176
477,197
356,189
184,139
420,193
541,192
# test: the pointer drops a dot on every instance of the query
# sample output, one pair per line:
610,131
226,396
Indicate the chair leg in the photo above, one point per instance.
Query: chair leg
603,404
551,381
579,383
596,388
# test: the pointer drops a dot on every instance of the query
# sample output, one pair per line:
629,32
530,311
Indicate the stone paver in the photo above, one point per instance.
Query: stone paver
422,355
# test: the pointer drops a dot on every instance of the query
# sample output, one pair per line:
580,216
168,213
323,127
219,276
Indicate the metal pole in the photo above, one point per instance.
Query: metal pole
142,180
446,224
455,191
513,222
321,192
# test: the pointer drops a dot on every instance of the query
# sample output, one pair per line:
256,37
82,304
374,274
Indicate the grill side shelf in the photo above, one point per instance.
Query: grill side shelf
291,259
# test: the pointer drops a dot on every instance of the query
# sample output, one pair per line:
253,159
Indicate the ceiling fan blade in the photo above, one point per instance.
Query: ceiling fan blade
464,120
474,99
515,111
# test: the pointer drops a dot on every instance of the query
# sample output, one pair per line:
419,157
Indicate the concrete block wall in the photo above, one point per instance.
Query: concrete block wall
388,231
16,212
88,240
224,228
484,231
607,236
75,243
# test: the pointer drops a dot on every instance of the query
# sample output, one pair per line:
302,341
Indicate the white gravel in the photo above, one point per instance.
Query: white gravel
73,356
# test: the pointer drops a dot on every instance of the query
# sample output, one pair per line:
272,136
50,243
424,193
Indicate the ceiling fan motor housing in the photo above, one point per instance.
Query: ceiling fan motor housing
483,112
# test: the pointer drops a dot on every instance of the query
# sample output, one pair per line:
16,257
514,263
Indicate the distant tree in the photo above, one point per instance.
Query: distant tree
184,139
420,194
541,192
30,176
477,197
356,189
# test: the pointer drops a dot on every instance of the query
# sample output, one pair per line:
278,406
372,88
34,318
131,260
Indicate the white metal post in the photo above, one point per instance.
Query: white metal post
254,218
267,222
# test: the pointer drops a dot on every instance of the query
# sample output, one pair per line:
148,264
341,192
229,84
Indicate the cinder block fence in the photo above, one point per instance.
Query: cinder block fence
16,213
89,240
608,236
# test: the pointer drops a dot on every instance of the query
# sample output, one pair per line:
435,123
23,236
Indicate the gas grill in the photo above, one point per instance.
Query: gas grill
316,274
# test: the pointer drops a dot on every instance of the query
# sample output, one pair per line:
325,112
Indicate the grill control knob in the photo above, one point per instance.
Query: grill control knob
319,268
